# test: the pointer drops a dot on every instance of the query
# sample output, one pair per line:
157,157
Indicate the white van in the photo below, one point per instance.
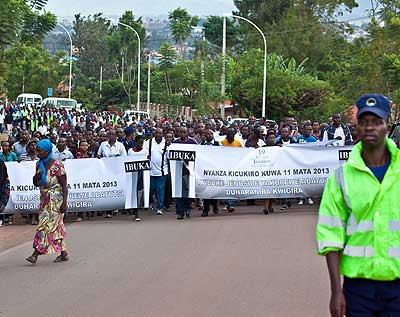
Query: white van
58,103
29,99
129,114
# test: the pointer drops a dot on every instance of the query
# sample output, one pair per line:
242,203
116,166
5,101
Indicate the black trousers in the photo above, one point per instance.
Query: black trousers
168,192
208,202
368,298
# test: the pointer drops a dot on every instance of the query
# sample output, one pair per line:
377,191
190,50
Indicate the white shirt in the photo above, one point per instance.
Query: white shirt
260,143
243,141
131,152
60,156
338,132
107,150
42,129
156,157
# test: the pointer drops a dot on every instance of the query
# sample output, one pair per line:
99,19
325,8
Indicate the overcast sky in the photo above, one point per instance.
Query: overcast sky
152,7
139,7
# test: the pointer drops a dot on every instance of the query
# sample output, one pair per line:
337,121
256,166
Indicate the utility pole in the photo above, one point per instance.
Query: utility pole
223,75
101,78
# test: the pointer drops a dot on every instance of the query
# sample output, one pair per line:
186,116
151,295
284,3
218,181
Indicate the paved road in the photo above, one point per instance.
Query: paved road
242,264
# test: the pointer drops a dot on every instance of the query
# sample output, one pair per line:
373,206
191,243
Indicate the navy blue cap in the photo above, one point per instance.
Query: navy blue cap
128,130
374,103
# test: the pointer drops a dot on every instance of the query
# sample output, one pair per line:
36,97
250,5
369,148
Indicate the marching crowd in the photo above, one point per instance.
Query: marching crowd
358,223
90,134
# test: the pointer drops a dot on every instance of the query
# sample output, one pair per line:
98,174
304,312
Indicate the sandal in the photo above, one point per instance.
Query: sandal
61,258
31,259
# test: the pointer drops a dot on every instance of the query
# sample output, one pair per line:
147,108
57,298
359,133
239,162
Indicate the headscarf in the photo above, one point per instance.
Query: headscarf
46,146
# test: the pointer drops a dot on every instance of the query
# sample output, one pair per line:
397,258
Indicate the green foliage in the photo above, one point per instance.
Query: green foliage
123,49
290,89
313,69
299,29
113,92
33,68
21,22
37,4
87,96
123,41
391,69
90,39
11,17
261,12
213,31
181,23
36,25
168,56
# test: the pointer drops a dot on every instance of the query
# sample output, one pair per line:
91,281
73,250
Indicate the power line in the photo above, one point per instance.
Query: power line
301,29
162,38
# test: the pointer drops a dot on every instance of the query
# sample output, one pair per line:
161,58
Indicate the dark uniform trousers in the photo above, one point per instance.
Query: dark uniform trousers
369,298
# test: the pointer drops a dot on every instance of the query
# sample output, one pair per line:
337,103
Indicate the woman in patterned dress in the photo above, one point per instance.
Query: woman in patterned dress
51,178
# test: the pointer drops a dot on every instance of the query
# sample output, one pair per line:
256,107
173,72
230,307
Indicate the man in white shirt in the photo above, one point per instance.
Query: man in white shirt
157,151
2,117
338,131
43,128
20,147
111,147
61,153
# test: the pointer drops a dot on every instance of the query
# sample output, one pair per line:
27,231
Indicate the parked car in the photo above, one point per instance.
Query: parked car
136,115
270,123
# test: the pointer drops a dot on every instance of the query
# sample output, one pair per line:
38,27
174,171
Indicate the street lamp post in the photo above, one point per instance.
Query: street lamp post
225,15
148,83
138,38
70,60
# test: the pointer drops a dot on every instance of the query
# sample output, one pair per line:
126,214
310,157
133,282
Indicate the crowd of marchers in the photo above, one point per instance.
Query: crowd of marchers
90,134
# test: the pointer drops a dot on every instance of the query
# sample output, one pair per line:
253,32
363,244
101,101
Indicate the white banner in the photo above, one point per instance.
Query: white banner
216,172
94,184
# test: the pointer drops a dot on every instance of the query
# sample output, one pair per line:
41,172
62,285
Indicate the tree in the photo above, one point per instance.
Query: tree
123,44
168,56
263,12
181,23
89,37
300,29
167,61
21,21
33,68
290,88
213,32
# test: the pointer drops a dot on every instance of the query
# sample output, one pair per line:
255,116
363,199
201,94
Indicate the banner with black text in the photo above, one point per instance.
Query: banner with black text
93,184
218,172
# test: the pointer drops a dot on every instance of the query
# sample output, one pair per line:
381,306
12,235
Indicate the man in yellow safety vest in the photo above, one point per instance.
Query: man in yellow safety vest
358,227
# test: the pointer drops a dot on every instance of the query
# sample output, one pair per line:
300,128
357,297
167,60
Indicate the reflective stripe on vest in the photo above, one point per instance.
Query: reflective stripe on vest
358,251
394,225
352,226
363,226
326,244
340,180
330,221
394,252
